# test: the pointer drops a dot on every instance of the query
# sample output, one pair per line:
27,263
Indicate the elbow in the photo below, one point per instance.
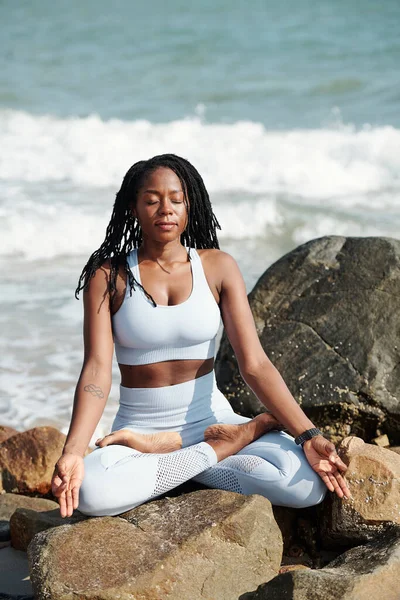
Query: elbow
253,369
96,369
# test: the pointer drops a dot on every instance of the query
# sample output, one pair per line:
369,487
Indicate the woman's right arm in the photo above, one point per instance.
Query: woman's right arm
94,383
91,392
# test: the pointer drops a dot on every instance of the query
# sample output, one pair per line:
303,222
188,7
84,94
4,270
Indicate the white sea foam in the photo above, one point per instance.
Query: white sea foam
270,190
321,164
58,178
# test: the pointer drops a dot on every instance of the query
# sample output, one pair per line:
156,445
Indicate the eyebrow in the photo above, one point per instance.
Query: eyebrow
157,192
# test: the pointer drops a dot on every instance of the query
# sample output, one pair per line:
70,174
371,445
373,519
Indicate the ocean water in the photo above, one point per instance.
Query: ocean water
290,111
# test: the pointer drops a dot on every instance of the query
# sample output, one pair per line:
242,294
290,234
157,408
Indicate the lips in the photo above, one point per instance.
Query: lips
166,225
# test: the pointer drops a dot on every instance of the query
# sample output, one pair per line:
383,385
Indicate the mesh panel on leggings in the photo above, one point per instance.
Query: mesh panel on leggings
242,462
177,467
223,477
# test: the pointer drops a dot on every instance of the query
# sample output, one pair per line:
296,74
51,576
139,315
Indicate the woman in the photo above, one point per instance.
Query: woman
157,288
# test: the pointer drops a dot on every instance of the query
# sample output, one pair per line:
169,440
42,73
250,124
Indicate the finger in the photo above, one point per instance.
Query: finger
62,472
343,485
337,461
75,496
63,505
326,481
336,487
58,486
68,498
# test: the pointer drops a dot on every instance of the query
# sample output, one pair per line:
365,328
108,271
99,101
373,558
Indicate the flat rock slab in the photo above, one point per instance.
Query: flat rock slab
10,502
327,315
370,571
208,544
26,523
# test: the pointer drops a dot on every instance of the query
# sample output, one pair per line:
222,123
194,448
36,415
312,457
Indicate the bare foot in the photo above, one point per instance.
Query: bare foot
158,443
229,439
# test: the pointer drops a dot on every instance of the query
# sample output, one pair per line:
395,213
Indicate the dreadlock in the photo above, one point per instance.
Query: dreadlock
124,232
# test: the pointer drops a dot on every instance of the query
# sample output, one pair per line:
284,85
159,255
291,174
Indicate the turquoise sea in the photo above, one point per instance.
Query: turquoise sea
290,111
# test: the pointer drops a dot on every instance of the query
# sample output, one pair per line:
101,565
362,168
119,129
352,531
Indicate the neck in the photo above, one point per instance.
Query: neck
155,251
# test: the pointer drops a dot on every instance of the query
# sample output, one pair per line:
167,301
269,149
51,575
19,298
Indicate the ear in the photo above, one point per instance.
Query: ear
133,211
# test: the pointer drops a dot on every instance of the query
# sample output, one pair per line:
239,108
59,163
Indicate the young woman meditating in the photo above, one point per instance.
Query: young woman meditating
156,289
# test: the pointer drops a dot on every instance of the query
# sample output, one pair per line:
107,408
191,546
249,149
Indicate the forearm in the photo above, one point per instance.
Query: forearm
267,384
91,395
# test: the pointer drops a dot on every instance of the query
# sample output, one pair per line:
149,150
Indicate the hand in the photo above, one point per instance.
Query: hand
66,481
323,458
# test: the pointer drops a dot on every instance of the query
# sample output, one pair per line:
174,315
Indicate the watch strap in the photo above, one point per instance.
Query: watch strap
307,435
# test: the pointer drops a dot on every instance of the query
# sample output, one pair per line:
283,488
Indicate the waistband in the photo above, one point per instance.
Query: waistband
178,392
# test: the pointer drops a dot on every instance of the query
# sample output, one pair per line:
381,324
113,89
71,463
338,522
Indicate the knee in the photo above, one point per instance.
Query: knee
304,488
309,494
97,495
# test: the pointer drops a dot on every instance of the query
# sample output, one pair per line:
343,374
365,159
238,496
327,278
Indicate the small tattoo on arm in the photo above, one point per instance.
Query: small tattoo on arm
94,390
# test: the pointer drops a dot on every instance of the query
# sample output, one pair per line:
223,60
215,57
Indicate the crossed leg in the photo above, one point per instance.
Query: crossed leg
118,477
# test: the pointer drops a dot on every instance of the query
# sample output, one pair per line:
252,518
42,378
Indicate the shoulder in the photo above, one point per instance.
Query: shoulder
218,258
100,282
220,268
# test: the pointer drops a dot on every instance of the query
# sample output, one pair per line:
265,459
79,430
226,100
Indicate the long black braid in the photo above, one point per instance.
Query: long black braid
124,232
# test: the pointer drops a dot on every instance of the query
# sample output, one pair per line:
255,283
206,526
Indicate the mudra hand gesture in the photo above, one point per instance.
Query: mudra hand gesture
323,458
67,479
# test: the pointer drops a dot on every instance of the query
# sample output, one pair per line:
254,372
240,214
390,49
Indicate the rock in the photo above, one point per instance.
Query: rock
327,315
369,571
381,440
10,502
207,544
6,432
27,460
373,476
395,449
26,523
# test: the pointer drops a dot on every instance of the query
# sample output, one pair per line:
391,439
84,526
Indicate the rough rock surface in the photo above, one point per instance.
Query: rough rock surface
10,502
208,544
370,571
26,523
373,475
327,315
6,432
27,460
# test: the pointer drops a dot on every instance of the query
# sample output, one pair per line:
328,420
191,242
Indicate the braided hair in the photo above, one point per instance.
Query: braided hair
124,232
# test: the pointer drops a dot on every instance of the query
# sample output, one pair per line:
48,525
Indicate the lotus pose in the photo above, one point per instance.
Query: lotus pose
157,289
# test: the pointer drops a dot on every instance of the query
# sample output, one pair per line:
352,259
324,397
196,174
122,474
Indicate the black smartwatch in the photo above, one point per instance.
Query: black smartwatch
307,435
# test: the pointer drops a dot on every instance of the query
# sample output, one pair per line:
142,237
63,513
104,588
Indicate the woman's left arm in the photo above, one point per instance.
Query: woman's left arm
265,380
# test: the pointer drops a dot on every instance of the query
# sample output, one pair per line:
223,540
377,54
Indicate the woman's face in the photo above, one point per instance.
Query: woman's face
160,206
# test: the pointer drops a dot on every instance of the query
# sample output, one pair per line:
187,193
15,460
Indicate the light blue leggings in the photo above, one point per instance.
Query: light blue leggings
118,478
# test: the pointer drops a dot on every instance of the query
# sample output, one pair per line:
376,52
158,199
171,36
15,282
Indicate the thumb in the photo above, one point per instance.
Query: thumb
326,447
62,472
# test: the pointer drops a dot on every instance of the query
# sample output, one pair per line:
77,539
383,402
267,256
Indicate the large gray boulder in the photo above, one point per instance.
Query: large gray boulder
327,315
369,571
207,544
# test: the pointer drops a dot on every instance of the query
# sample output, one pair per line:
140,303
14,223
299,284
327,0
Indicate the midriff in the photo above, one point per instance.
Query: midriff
165,373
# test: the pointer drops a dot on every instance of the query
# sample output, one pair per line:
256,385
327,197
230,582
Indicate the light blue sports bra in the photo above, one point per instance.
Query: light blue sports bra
144,333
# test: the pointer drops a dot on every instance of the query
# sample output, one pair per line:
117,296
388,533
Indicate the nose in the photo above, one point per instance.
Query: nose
165,207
